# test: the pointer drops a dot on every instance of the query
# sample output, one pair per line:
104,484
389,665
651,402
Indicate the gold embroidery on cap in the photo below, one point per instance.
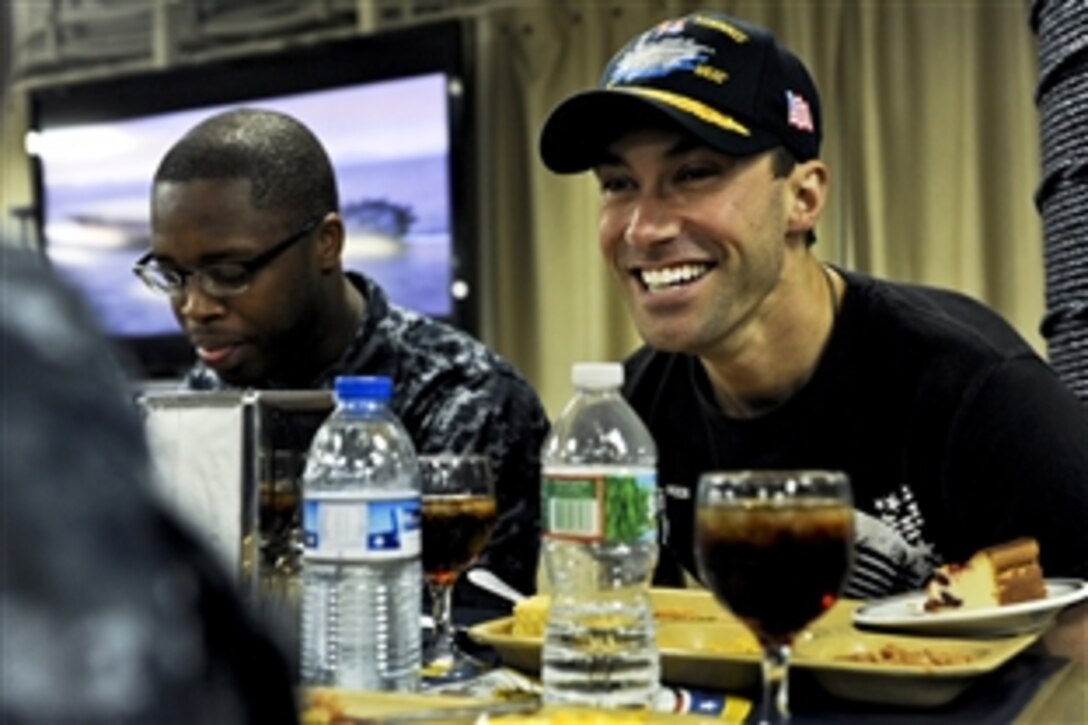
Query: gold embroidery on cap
717,75
720,25
688,105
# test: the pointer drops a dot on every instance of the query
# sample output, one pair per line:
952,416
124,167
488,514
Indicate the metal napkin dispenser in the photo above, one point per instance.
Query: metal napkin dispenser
230,463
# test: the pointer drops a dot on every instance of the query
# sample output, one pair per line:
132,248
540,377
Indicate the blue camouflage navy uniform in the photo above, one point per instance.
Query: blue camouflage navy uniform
453,394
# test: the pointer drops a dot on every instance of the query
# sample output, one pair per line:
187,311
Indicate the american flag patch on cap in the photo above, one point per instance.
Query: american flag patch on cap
798,112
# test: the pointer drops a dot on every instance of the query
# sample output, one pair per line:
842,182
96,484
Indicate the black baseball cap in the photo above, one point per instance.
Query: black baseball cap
725,81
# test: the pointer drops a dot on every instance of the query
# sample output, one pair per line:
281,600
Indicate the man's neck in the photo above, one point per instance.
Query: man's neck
347,310
780,355
327,338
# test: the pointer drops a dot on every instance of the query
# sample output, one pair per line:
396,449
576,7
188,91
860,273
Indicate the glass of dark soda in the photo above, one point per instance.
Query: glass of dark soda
459,513
775,548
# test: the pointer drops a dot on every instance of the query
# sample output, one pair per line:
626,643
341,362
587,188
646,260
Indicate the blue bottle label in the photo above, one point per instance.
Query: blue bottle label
600,506
348,527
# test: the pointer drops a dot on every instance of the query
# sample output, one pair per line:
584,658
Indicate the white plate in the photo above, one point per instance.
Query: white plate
906,613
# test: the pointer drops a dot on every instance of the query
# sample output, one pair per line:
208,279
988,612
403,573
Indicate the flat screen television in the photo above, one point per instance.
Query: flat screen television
390,108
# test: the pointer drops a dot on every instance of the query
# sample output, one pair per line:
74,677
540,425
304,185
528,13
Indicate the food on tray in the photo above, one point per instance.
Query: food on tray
576,716
322,707
893,654
1001,574
531,614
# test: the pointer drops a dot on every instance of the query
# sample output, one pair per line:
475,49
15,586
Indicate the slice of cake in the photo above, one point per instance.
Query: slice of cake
1000,574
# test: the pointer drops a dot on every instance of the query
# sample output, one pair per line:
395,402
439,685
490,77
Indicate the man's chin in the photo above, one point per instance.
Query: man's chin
240,377
236,365
664,339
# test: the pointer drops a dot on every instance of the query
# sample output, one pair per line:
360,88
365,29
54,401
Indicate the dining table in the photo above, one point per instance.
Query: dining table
1034,686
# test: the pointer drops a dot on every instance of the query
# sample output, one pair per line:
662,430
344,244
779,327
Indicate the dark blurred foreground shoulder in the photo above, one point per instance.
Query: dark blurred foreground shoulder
112,610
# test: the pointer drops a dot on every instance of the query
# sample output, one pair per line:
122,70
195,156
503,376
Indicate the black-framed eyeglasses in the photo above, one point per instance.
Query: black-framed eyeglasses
221,279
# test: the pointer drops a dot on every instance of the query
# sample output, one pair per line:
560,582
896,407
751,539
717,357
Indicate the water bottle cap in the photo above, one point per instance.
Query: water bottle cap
363,387
597,375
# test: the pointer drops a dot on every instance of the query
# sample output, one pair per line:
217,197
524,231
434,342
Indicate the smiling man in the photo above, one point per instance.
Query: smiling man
246,245
704,135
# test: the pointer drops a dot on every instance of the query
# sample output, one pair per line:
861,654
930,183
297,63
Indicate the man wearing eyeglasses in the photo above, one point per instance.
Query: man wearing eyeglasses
246,245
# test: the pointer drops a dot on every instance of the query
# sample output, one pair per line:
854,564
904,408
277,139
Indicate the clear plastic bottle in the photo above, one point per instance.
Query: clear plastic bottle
599,518
361,572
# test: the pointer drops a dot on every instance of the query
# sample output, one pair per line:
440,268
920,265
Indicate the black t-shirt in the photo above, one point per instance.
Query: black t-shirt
954,433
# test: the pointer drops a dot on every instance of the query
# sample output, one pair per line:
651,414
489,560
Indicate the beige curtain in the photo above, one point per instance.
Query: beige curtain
931,134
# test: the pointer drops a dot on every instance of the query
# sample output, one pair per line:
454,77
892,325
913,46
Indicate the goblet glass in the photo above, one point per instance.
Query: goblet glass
775,548
459,513
278,536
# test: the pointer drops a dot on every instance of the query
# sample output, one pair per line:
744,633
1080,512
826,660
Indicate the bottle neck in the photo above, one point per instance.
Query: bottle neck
360,405
597,391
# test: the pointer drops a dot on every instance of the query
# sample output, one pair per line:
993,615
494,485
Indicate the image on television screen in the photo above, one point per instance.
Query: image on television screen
390,147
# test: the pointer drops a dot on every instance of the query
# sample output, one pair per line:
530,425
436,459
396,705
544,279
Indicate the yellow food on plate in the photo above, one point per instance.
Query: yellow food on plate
336,706
530,616
576,716
321,708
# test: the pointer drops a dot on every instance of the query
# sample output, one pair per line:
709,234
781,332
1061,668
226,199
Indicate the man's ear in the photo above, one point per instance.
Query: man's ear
330,242
808,186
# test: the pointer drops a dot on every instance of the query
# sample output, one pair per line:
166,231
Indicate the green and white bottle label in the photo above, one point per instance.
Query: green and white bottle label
599,505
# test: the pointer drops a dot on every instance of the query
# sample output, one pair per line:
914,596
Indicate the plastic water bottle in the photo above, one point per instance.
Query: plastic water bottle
600,547
361,572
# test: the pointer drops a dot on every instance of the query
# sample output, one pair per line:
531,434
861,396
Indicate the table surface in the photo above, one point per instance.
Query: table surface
1062,698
